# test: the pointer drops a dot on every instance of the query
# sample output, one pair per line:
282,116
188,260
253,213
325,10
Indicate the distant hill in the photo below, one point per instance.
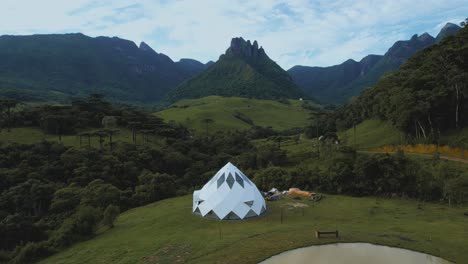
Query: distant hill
245,70
56,67
324,82
237,113
337,84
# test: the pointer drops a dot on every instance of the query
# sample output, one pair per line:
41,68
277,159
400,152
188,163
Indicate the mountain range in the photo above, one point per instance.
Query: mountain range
244,70
57,67
337,84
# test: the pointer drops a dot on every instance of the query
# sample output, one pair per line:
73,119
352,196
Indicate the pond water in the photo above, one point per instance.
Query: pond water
353,253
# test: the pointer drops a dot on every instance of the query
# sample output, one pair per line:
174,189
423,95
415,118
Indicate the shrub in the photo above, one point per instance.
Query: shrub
110,214
77,227
32,252
273,177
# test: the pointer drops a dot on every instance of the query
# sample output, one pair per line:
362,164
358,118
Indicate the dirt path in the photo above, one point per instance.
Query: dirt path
416,154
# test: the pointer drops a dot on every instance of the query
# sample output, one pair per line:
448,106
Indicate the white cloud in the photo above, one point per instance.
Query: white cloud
293,32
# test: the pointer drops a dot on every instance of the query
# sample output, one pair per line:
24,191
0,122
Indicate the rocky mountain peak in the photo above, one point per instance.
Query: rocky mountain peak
448,30
449,26
245,49
146,47
425,37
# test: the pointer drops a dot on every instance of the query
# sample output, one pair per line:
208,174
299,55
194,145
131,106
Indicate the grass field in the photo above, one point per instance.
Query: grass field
26,135
371,134
222,110
167,232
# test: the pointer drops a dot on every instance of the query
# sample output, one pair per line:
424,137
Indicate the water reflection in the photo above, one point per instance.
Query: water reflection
353,253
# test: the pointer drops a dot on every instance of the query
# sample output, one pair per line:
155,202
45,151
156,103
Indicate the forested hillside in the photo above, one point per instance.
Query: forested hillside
57,67
245,70
425,97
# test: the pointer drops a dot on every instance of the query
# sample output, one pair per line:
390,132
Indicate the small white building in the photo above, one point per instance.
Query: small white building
229,195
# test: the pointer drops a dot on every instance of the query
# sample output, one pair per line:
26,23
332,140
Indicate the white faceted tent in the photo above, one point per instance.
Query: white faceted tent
229,195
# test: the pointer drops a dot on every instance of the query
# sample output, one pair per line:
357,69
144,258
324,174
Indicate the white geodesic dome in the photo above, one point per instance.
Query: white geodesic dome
229,195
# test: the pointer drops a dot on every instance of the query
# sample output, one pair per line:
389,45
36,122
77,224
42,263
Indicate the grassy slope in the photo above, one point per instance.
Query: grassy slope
221,110
371,134
167,232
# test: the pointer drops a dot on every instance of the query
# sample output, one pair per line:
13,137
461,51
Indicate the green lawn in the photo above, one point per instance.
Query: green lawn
27,135
371,134
279,116
167,232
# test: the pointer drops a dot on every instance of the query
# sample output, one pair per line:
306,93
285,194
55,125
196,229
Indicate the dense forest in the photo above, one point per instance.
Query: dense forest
426,96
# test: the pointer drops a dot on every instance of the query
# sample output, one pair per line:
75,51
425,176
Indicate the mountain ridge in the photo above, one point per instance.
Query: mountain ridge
340,88
55,67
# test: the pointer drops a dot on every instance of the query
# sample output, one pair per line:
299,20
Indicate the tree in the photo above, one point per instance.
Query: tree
17,228
110,214
111,133
134,126
464,23
207,121
57,124
277,139
101,134
154,186
77,227
8,105
31,197
100,194
88,135
273,177
270,154
66,199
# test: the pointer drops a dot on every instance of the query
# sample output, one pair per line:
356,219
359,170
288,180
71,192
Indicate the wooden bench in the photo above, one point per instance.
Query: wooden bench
320,233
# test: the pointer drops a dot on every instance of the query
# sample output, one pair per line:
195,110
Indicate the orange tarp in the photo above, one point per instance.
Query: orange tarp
298,191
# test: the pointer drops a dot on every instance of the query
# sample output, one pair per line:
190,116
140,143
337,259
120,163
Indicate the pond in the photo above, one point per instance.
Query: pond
353,253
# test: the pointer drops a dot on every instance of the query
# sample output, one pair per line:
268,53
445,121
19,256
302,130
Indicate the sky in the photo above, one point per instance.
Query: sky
295,32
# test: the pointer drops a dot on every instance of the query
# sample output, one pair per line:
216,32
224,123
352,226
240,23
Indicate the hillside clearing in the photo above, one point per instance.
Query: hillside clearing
223,111
371,134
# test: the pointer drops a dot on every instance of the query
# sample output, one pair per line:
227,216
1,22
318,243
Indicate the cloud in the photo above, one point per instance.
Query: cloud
307,32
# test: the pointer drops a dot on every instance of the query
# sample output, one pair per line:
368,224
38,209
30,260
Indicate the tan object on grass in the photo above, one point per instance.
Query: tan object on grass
297,191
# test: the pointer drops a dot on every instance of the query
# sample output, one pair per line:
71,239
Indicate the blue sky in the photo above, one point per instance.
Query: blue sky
304,32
